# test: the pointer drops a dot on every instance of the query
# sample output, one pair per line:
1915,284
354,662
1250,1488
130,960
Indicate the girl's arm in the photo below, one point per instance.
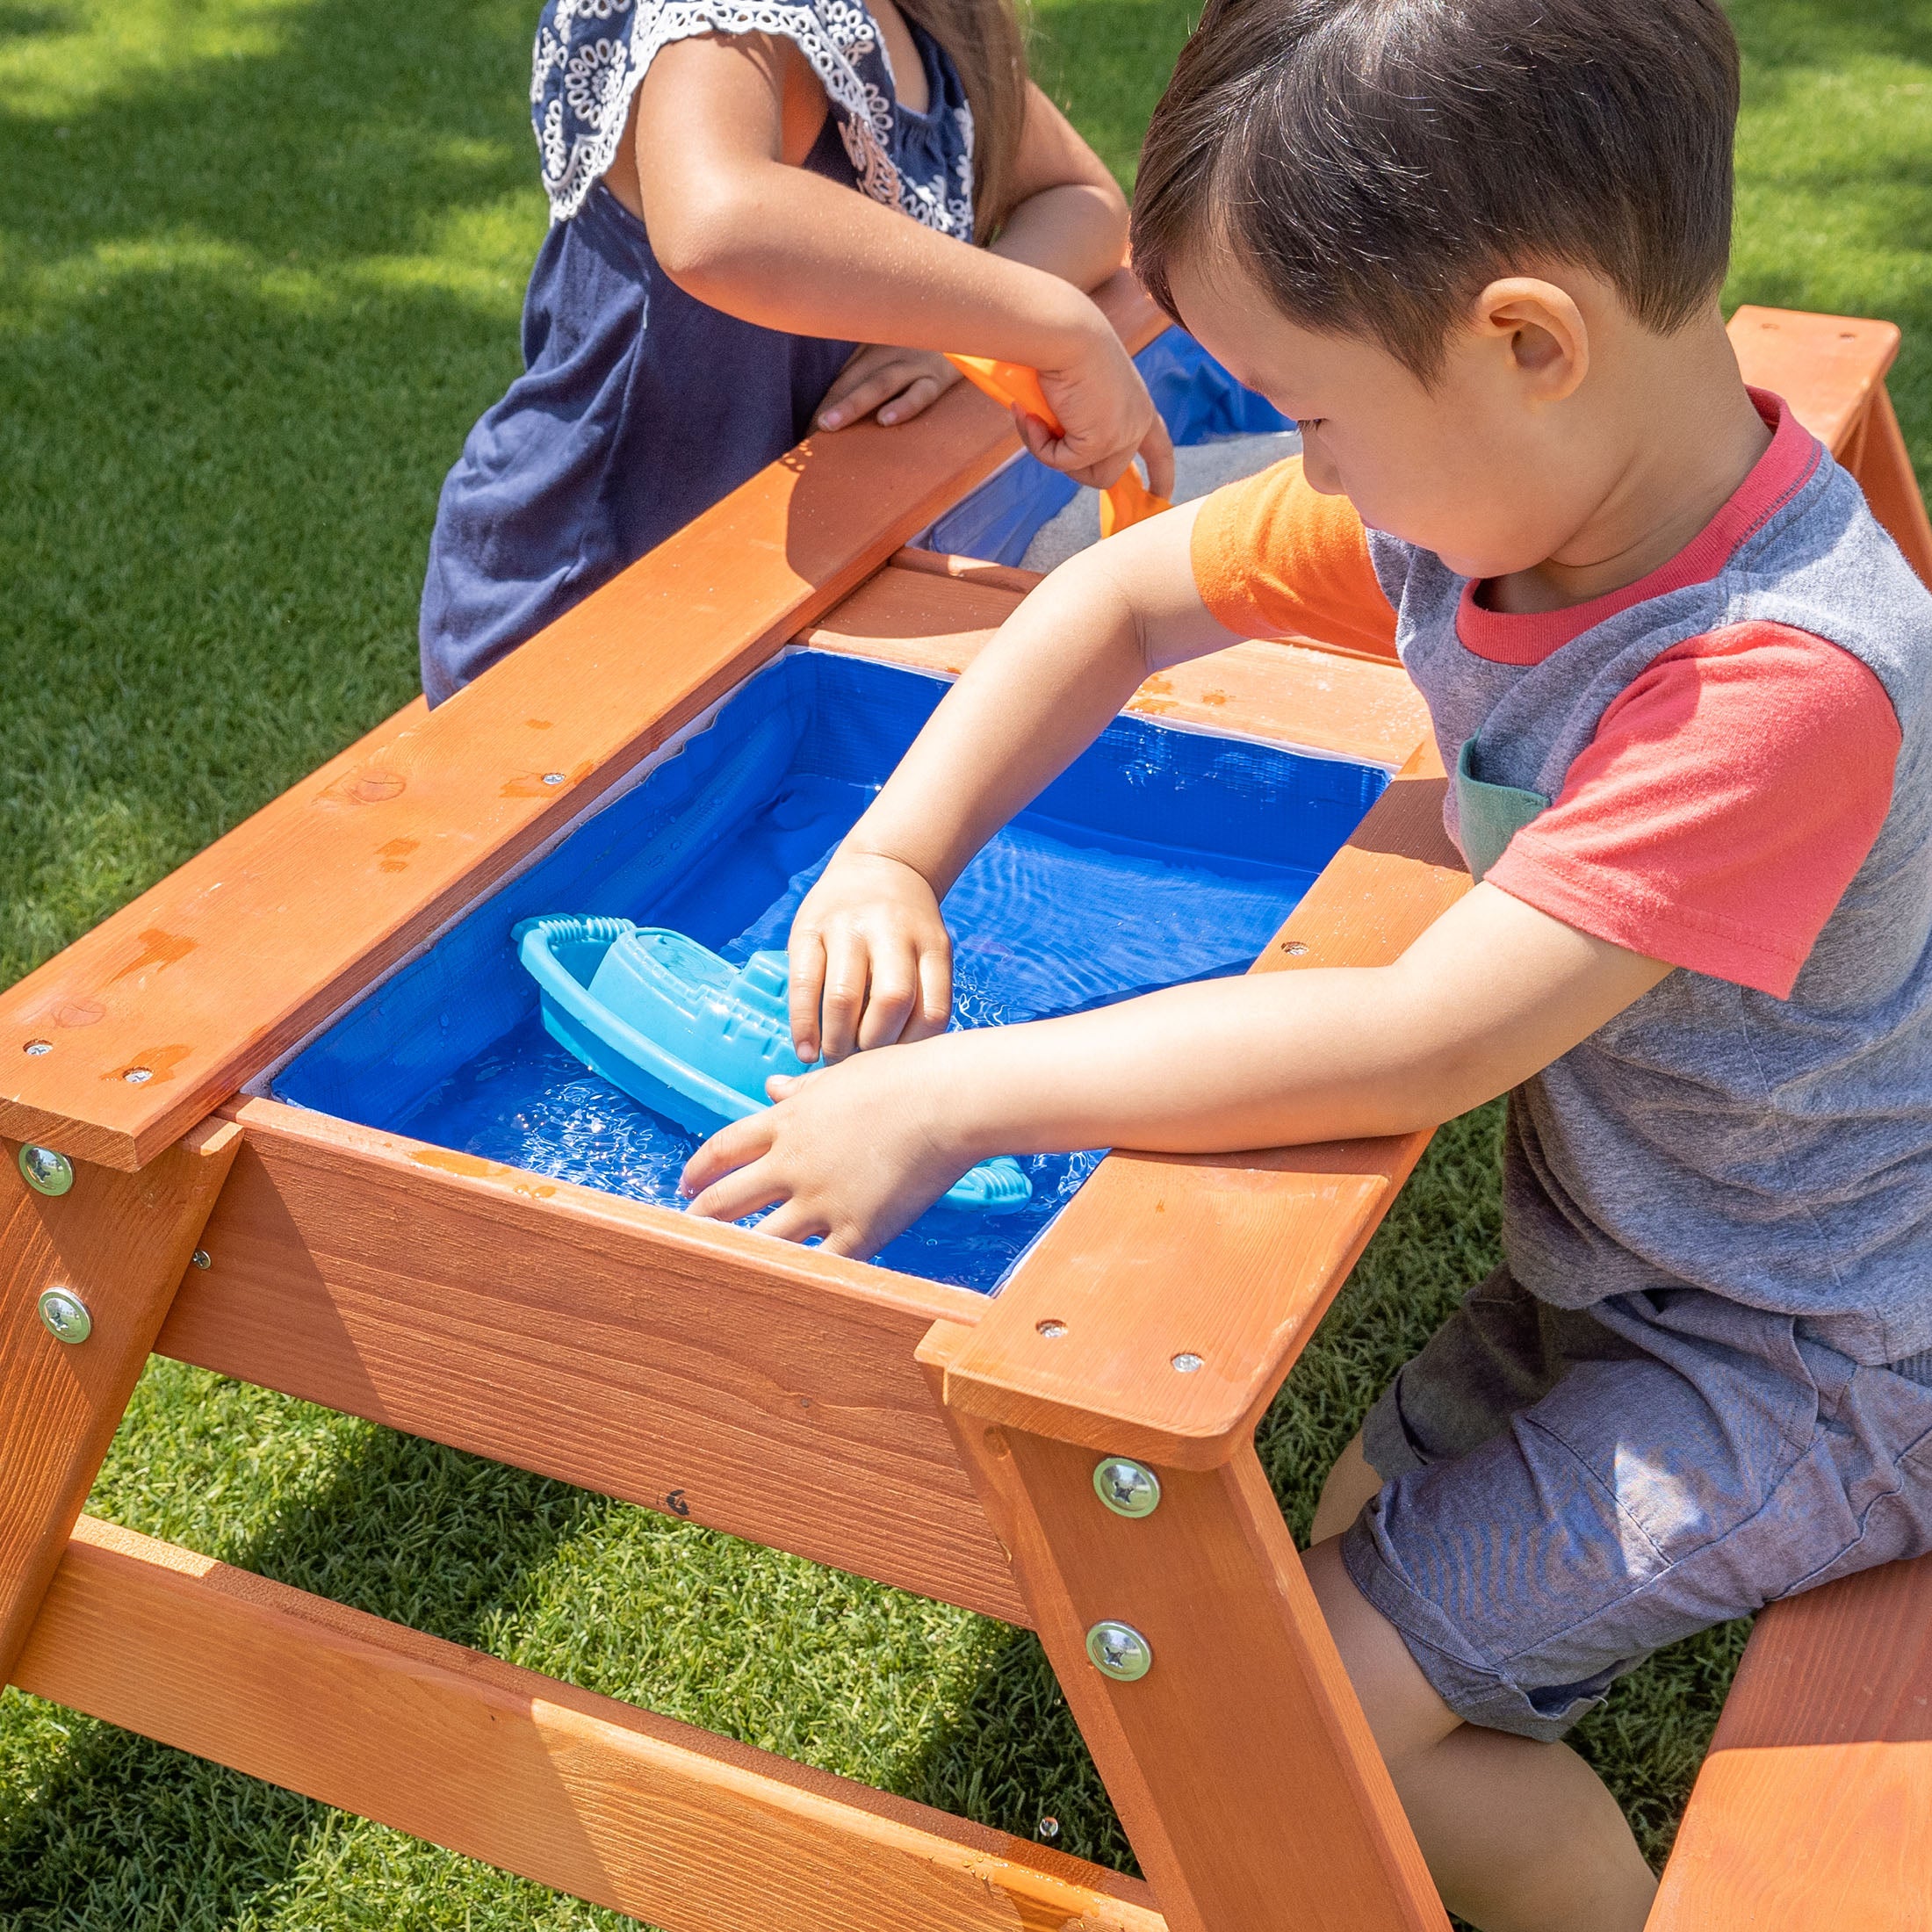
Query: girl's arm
734,225
1069,217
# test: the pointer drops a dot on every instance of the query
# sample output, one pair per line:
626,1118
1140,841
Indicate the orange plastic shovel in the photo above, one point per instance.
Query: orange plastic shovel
1123,502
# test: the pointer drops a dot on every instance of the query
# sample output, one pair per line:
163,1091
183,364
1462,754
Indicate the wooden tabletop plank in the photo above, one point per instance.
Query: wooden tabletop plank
1297,694
1827,367
112,1050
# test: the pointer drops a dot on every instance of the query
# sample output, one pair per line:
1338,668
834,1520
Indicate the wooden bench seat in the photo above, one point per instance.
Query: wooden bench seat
1814,1810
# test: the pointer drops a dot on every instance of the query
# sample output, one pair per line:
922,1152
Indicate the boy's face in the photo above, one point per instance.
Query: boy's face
1493,466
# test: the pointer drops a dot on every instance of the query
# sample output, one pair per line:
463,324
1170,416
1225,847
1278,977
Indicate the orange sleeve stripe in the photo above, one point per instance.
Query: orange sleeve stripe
1274,558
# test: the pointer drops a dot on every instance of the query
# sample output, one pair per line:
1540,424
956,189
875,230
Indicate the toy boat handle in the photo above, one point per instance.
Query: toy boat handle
1124,502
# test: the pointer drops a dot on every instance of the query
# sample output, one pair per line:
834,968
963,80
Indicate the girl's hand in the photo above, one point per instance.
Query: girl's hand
869,950
1106,413
897,383
855,1153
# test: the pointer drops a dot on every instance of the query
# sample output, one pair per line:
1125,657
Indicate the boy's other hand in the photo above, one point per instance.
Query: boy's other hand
855,1153
871,960
896,383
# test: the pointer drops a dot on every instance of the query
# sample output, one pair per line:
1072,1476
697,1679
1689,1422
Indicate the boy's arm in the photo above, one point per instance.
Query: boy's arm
869,949
1491,993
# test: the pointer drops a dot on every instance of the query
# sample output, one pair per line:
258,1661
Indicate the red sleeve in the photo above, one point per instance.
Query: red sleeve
1273,558
1719,814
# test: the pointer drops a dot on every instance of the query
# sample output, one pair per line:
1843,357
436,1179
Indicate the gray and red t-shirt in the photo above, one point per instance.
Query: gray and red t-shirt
1737,755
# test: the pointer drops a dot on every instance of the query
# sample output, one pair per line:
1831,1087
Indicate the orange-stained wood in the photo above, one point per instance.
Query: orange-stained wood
1825,366
595,1798
1347,707
1232,1259
119,1243
1814,1810
1879,458
1241,1764
739,1381
1831,369
209,975
971,570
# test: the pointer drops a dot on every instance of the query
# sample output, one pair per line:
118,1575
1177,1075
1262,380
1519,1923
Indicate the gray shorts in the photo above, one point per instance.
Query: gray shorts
1566,1490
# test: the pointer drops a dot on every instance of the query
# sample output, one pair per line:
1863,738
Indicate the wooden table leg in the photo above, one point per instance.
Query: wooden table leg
120,1242
1876,454
1241,1764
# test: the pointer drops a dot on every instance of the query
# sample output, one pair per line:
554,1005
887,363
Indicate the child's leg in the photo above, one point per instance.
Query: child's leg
1347,1486
1520,1836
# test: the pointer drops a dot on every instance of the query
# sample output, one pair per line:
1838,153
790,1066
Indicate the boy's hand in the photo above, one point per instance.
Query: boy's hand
870,954
855,1153
898,383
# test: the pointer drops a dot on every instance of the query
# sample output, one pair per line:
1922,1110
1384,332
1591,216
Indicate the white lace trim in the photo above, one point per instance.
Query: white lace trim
599,78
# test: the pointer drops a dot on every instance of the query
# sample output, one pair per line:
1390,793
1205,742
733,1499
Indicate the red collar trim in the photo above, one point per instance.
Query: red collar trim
1528,637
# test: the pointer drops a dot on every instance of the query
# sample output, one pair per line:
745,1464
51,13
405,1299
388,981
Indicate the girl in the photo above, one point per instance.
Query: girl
698,304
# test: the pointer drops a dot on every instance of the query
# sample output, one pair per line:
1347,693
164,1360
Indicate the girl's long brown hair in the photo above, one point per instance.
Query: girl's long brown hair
983,38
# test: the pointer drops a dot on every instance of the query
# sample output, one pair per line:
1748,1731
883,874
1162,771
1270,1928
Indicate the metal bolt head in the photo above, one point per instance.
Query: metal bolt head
36,1047
553,778
138,1076
1051,1329
44,1171
1185,1365
1119,1651
64,1315
1127,1487
202,1258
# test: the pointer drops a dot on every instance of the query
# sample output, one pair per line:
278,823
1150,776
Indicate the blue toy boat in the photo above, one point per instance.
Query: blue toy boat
687,1033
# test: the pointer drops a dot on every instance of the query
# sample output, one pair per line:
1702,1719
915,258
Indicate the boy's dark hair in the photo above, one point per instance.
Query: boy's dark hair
1373,163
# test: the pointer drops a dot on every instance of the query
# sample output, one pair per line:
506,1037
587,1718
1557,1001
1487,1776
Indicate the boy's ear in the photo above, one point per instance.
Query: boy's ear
1542,330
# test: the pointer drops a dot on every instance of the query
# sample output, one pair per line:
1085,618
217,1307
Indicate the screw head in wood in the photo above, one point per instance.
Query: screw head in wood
36,1047
1119,1651
202,1258
553,778
138,1076
64,1315
1127,1487
44,1171
1185,1365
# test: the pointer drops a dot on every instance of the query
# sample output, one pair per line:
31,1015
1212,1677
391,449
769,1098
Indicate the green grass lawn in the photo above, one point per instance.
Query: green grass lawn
260,267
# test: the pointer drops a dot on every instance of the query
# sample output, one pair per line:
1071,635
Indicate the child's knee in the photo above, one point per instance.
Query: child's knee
1348,1485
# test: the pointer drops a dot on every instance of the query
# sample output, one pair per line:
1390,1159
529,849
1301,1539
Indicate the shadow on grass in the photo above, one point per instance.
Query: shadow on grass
252,304
128,1834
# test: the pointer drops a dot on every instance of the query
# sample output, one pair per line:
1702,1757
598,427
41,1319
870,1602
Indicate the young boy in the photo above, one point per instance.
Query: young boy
1681,679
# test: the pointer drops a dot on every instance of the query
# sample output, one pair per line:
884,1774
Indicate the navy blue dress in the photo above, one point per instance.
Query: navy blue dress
640,407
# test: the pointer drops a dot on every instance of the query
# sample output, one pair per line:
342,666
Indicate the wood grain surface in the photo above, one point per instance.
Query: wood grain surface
1231,1258
1241,1764
120,1242
1814,1810
717,1375
1288,694
208,977
595,1798
1831,369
